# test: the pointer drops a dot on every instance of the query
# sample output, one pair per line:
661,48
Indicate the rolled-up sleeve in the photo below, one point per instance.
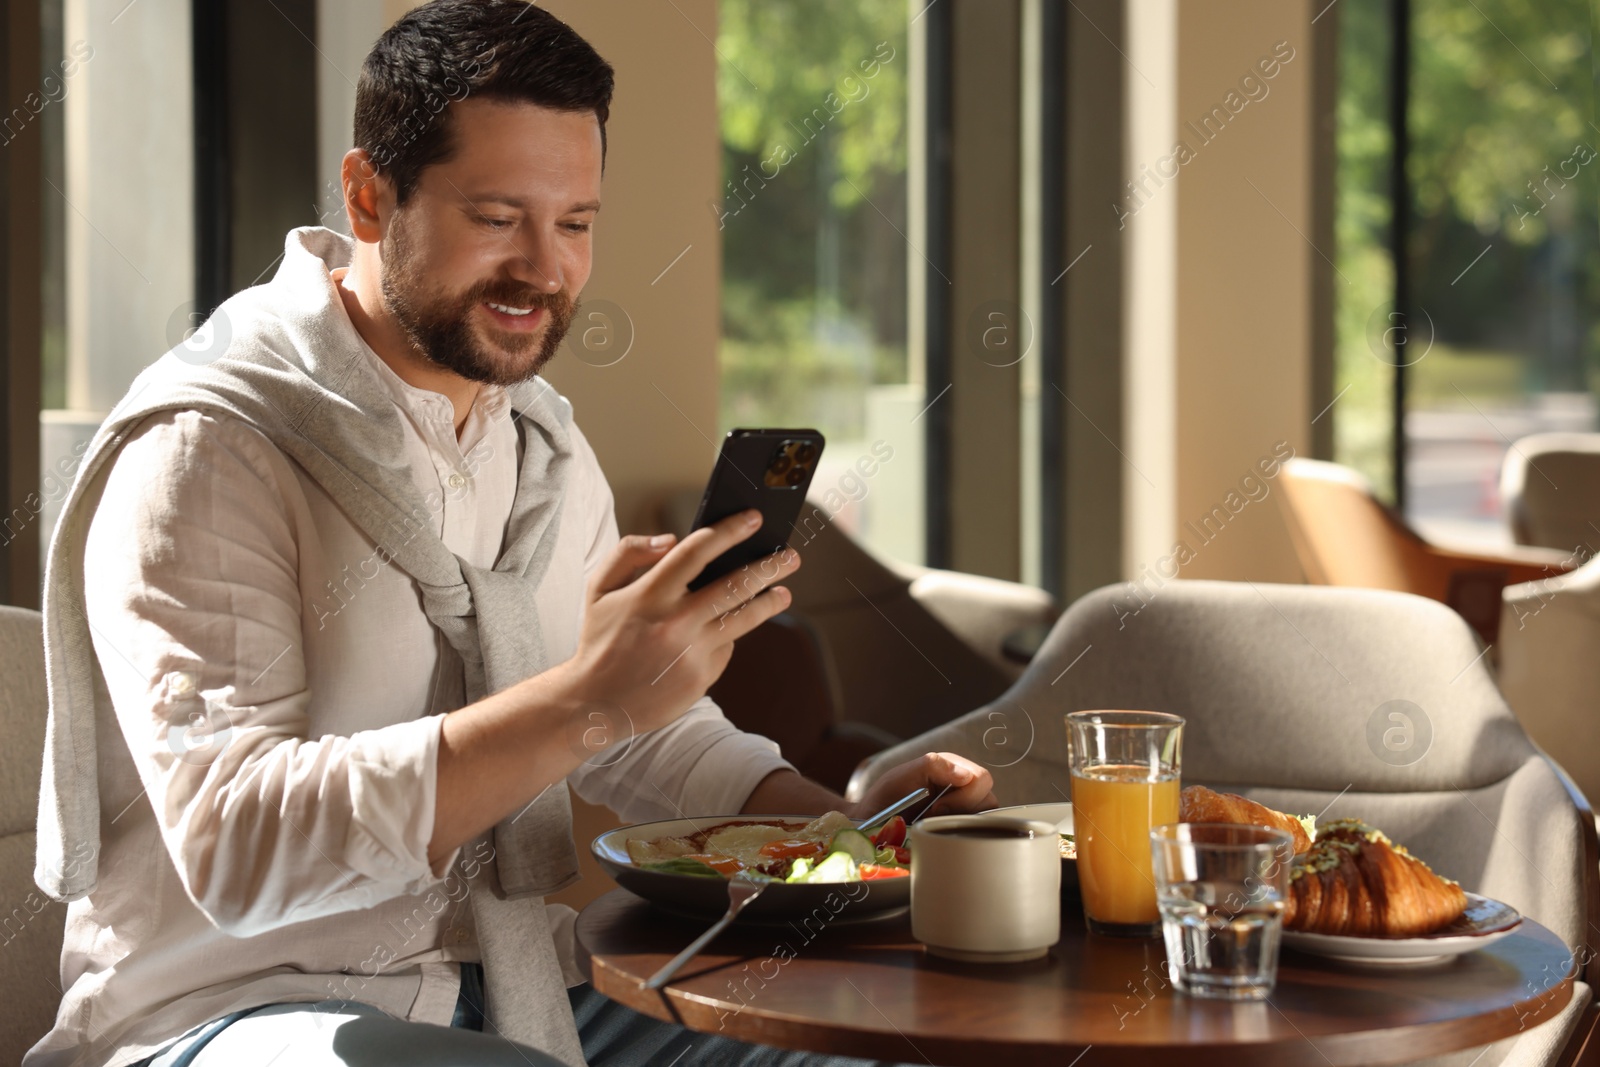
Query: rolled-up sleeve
194,604
699,764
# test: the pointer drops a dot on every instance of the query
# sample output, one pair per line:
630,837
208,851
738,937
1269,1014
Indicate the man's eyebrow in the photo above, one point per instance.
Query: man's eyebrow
519,203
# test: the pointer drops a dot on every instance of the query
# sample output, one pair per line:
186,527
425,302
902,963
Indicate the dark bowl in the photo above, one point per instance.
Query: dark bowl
707,898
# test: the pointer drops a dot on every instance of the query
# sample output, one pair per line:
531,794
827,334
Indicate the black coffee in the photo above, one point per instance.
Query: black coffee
983,831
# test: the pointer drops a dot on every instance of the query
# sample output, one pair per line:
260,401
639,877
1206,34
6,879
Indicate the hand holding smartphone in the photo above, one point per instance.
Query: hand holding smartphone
769,470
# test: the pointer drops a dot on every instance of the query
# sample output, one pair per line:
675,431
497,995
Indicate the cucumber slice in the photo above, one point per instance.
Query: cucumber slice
838,867
853,843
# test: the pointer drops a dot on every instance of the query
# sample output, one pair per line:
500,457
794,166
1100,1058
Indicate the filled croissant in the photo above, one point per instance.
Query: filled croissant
1356,882
1199,804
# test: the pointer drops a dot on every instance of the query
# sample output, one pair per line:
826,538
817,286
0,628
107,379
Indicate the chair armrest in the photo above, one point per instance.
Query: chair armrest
863,776
1522,563
1591,866
1583,582
983,611
1472,582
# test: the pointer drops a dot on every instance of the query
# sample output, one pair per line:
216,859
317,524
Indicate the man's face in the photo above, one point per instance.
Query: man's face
483,265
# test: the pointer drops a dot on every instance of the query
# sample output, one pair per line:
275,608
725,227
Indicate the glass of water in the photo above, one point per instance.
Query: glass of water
1220,889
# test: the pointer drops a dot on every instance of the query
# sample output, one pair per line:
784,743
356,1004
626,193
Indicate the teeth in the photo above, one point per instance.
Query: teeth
505,310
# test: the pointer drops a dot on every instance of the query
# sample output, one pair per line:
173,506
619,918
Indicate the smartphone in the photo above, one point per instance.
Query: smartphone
769,470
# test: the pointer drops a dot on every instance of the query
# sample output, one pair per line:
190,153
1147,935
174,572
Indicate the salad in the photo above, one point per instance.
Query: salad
827,849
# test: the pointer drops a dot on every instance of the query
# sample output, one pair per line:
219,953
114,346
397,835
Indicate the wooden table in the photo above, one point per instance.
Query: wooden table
870,990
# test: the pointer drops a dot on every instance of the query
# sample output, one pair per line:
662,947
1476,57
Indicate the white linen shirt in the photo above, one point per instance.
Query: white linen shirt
272,674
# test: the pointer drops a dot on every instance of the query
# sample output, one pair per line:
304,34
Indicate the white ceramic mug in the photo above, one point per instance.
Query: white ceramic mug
985,889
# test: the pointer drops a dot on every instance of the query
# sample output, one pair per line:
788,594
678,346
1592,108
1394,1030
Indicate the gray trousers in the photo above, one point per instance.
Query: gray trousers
347,1034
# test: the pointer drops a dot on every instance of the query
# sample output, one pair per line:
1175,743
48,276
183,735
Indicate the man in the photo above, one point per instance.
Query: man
333,618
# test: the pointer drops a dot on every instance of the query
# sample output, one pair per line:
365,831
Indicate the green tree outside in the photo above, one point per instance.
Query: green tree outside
813,119
1504,248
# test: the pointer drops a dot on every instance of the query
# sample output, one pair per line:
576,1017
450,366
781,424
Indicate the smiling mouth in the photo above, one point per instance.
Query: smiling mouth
514,319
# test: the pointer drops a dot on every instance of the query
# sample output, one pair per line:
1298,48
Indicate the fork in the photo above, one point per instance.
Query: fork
741,891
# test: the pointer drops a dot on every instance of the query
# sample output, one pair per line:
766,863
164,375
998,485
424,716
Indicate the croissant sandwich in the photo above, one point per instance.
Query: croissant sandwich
1199,804
1356,882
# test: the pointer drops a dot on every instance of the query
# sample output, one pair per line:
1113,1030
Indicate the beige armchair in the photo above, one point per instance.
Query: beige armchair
1550,488
31,925
1343,535
1550,667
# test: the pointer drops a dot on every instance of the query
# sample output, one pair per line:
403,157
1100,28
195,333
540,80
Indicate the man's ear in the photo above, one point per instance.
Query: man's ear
363,188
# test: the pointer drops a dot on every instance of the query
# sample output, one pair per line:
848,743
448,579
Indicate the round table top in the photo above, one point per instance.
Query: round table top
869,989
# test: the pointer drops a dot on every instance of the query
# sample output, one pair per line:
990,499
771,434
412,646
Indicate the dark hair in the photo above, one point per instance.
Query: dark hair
448,50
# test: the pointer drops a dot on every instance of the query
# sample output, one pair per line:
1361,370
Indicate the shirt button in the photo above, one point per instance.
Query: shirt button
459,935
456,481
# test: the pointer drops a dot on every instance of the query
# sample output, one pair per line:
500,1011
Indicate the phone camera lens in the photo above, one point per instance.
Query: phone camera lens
805,452
780,464
796,475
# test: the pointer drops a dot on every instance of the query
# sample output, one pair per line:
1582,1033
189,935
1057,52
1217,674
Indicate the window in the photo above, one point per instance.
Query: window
159,203
1501,268
1364,283
813,218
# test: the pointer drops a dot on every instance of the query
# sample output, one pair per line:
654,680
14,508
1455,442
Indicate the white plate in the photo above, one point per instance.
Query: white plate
1483,923
1058,814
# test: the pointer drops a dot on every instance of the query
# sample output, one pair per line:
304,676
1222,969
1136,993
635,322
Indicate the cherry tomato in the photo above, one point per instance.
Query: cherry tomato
871,872
893,833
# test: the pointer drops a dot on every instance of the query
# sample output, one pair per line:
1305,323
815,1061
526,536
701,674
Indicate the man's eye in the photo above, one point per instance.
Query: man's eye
494,224
578,227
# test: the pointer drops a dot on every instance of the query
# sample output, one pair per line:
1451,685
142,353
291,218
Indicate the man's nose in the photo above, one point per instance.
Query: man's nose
537,263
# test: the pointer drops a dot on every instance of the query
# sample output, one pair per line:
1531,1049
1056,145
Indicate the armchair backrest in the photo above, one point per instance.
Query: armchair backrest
1550,487
1342,533
30,923
1549,672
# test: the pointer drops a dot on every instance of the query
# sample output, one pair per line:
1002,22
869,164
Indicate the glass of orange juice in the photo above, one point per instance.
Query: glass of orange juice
1125,780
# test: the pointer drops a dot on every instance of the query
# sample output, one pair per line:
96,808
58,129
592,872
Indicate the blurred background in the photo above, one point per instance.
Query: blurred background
952,230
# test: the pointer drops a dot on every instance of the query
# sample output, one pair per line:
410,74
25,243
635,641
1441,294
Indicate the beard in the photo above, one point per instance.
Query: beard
441,328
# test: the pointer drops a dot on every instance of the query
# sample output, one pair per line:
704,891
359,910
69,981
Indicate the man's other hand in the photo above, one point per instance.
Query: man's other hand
970,785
